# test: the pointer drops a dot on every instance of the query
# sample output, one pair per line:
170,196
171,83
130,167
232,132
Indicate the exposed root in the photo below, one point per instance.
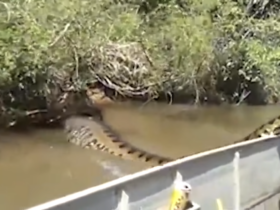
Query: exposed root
124,68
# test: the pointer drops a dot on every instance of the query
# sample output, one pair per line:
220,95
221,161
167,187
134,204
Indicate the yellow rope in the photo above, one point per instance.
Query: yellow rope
219,204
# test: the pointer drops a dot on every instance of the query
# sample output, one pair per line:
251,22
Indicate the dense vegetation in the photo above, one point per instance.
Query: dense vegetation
203,50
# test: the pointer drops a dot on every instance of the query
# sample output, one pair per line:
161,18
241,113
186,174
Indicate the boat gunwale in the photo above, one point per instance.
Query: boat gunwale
144,173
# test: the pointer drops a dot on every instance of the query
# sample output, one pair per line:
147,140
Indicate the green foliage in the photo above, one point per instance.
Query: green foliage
206,49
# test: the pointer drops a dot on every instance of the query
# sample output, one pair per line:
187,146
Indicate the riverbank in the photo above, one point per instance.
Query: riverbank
203,52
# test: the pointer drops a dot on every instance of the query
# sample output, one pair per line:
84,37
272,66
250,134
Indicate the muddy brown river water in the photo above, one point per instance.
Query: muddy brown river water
40,165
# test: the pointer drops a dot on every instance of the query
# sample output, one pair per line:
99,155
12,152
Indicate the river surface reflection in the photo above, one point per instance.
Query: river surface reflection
40,165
